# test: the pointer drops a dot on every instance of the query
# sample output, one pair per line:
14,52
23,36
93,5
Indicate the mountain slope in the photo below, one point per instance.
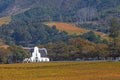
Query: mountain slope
89,9
79,11
28,16
11,7
71,28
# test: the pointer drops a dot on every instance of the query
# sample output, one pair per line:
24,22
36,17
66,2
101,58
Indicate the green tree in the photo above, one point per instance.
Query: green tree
18,53
91,36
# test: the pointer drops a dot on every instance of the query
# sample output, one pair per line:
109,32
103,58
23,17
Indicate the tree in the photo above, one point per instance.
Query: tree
102,51
114,33
86,14
5,53
91,36
18,53
57,51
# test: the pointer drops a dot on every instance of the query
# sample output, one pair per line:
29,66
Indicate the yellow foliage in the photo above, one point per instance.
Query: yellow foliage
5,20
72,28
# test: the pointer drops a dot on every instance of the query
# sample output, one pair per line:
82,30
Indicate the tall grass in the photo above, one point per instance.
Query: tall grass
61,71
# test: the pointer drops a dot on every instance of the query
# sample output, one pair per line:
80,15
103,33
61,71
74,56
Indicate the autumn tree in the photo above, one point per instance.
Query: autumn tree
102,51
4,55
57,51
114,33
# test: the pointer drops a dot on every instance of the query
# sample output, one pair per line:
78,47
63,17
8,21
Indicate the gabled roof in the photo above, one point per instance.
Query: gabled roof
42,51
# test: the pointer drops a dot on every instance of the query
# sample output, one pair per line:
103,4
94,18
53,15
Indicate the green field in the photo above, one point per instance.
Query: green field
61,71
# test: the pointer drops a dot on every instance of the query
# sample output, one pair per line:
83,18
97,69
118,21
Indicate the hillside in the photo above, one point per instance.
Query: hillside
63,10
71,28
31,34
67,28
12,7
28,16
79,11
105,7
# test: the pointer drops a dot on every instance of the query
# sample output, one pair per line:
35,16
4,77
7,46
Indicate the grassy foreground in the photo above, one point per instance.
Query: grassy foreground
61,71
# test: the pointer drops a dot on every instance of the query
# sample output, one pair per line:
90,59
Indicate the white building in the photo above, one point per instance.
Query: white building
37,55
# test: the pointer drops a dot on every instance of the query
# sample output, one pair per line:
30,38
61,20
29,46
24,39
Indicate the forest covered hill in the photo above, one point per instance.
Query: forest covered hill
25,14
82,12
62,10
23,23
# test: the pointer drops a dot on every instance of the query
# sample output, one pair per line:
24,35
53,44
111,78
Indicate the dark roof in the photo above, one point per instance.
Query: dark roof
42,51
